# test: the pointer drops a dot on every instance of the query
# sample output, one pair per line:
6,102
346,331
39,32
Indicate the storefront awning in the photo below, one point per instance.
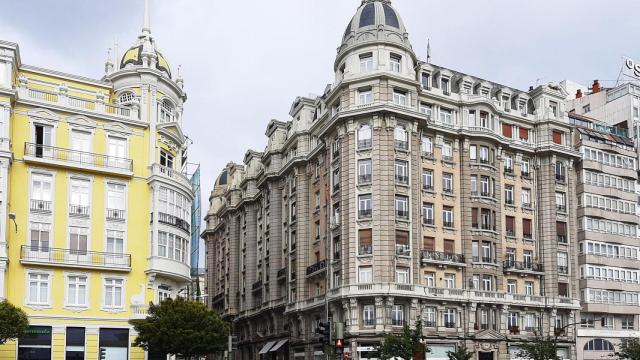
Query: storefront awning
266,347
279,345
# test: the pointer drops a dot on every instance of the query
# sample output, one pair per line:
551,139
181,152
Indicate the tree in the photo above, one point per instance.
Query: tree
404,346
629,349
539,349
181,327
461,353
13,322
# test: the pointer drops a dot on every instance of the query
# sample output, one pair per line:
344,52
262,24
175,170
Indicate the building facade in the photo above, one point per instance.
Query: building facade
407,190
97,209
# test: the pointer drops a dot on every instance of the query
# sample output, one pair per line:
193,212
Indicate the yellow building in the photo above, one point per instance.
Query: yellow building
95,206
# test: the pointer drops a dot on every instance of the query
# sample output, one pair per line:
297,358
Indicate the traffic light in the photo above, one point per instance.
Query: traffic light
103,354
324,329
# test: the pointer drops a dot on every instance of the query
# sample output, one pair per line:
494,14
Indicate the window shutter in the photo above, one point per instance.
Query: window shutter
365,237
474,217
507,131
449,246
402,237
524,133
561,228
557,137
511,223
526,226
429,243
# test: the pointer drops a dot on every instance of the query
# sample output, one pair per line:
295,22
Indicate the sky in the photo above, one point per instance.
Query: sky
245,61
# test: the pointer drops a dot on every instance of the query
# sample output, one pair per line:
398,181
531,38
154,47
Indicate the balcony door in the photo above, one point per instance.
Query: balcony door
43,141
81,147
78,238
117,151
40,241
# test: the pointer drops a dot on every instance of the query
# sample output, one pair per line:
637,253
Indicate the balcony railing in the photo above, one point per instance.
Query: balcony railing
173,221
40,205
449,325
317,267
364,179
365,250
397,322
427,155
74,258
282,272
116,214
563,269
447,224
427,187
562,239
447,158
508,170
428,221
364,214
561,208
256,285
560,178
402,214
429,255
159,170
402,179
78,210
403,250
77,158
522,266
525,175
364,144
402,145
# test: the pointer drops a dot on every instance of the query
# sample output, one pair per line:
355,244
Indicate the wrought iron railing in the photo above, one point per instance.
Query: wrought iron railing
174,221
522,265
430,255
76,157
74,257
317,267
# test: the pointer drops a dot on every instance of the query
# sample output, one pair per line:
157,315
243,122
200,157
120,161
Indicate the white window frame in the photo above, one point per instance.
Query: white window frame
365,275
112,281
38,303
67,286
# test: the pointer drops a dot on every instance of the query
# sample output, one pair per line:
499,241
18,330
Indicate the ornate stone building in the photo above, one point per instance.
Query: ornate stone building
406,190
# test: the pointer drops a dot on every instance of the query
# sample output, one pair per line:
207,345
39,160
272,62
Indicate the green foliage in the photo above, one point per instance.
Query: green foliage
629,349
461,353
13,322
403,346
181,327
539,349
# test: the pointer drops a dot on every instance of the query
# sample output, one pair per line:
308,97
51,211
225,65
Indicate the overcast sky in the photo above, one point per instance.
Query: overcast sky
245,61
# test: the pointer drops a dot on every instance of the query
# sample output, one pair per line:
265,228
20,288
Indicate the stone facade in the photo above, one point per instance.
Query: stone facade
407,190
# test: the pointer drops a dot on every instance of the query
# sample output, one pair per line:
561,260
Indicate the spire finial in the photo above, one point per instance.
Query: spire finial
428,51
146,27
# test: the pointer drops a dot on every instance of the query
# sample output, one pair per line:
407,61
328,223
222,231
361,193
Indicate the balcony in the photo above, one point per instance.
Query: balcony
173,269
508,170
80,259
80,160
402,179
40,205
364,179
167,173
402,214
317,268
174,221
364,144
522,266
427,155
447,158
403,250
79,210
257,286
364,214
365,250
116,214
402,145
429,256
139,311
282,273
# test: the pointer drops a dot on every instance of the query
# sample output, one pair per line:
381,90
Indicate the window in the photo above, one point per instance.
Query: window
526,198
553,107
447,217
446,117
447,151
402,243
429,317
402,276
472,118
75,343
524,168
365,275
79,197
563,263
429,243
366,62
430,279
400,97
426,109
560,171
513,320
81,146
473,153
365,97
512,287
364,137
117,151
126,98
364,206
444,85
172,247
114,341
447,183
427,214
561,202
77,290
563,289
397,315
173,205
115,242
510,226
508,195
43,140
474,184
526,229
41,192
78,240
113,293
115,201
39,285
402,172
450,281
368,315
599,345
486,252
35,344
450,318
166,159
364,171
427,180
167,111
40,237
401,137
164,293
365,246
507,131
395,63
425,80
528,288
402,207
484,155
508,164
628,322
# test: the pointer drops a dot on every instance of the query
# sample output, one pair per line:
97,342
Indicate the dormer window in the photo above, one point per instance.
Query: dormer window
444,85
394,63
365,96
522,107
167,111
366,62
466,88
426,81
400,97
553,106
506,102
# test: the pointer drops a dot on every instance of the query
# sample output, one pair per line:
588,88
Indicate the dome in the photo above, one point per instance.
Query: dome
145,47
375,15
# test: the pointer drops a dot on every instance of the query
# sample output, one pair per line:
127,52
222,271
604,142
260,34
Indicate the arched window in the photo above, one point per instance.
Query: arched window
401,137
126,98
167,111
364,137
599,345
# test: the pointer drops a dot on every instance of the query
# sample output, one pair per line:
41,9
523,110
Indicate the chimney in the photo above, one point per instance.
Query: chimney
579,94
596,87
530,88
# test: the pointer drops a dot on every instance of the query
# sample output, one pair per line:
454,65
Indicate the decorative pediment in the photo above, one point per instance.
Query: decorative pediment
489,335
43,114
117,127
172,130
82,121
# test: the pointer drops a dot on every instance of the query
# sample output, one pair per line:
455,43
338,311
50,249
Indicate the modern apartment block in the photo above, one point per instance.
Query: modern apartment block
95,209
407,190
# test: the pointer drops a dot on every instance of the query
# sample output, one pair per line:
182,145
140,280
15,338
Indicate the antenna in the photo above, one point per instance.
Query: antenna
428,51
146,27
